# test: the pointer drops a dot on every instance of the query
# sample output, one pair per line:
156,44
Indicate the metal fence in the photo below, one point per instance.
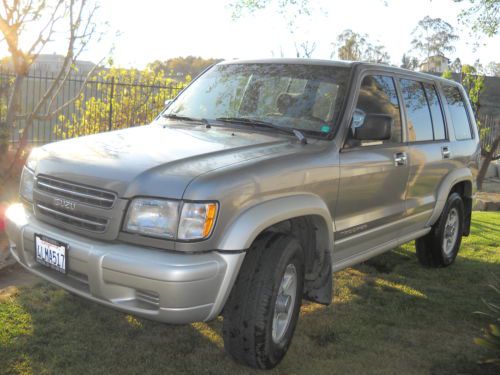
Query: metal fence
104,103
489,129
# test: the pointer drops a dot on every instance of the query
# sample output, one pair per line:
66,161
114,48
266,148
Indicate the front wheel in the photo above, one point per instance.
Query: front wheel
440,246
263,308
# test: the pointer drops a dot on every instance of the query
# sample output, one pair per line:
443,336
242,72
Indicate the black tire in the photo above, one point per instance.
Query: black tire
248,315
431,251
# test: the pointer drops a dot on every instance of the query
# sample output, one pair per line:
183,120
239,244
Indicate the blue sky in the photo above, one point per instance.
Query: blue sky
156,29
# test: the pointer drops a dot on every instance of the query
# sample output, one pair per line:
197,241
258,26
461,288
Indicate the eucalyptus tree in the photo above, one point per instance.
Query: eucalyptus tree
354,46
433,36
481,15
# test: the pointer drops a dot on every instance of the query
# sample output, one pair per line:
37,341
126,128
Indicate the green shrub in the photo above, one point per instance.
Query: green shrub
491,334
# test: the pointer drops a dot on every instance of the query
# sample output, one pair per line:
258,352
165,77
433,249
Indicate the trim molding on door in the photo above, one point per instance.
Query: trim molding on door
358,231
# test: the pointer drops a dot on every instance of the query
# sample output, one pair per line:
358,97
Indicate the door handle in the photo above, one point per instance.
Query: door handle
445,151
400,158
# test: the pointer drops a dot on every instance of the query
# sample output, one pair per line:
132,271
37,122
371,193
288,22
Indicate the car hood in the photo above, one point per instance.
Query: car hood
153,160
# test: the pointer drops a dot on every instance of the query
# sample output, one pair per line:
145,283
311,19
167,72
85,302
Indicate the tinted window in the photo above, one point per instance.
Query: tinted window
305,97
436,113
324,104
458,112
377,95
418,116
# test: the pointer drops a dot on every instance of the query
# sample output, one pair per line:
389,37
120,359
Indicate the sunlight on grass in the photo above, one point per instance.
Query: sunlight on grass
15,320
206,331
344,282
8,293
133,321
389,314
310,307
22,366
400,287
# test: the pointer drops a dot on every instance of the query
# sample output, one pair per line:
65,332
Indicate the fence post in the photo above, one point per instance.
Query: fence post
110,120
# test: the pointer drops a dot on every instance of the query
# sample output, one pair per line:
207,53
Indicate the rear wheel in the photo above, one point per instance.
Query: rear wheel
440,246
263,308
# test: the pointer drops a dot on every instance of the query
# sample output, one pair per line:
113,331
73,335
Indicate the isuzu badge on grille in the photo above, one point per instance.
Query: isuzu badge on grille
64,203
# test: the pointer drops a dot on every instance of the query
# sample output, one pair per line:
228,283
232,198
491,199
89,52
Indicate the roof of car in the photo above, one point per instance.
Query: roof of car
291,61
347,64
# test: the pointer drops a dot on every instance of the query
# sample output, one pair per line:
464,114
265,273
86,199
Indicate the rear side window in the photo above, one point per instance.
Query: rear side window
377,95
458,112
436,112
418,114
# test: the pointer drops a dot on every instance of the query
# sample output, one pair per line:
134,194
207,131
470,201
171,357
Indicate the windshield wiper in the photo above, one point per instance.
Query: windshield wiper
172,116
253,122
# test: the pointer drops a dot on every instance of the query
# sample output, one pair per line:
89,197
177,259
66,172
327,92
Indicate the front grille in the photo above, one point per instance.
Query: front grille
76,219
80,193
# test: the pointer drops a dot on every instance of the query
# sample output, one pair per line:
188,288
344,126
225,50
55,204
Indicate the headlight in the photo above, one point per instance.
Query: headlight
153,217
35,155
27,183
197,220
160,218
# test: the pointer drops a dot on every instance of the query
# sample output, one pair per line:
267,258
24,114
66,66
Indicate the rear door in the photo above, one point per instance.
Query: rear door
429,153
373,174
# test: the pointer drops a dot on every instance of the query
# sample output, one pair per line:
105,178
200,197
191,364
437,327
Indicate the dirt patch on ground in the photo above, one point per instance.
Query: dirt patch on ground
16,276
5,258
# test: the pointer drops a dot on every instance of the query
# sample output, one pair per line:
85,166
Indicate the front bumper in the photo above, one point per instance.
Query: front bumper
171,287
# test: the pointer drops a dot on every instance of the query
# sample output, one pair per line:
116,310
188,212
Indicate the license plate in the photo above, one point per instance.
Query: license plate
51,253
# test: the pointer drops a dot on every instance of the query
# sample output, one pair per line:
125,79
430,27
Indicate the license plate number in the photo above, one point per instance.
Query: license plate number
51,253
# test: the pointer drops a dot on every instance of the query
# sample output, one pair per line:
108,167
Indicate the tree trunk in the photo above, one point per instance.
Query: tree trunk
486,162
7,127
13,108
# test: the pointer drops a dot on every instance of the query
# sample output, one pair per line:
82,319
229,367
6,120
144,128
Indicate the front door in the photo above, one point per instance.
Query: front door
373,176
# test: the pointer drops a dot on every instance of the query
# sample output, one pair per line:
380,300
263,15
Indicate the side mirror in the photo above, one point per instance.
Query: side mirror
374,127
167,104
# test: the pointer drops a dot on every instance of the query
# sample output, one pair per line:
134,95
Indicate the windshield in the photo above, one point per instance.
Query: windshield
302,97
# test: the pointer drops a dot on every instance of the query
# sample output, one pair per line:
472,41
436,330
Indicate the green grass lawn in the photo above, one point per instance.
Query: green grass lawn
389,316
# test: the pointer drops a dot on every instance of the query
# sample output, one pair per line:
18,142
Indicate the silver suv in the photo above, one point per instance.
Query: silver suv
253,186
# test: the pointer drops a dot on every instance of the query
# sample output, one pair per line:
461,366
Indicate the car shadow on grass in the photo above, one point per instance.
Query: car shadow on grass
484,230
389,316
67,334
393,316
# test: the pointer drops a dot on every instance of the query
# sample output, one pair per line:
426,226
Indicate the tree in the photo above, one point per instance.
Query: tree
488,153
305,49
46,19
285,7
433,36
179,68
473,83
291,10
481,15
356,47
456,66
493,69
408,62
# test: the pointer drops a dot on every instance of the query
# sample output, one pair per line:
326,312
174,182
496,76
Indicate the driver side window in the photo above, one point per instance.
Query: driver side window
377,96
